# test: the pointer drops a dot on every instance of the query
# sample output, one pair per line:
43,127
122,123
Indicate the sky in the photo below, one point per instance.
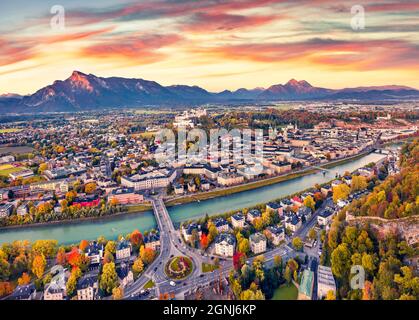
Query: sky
215,44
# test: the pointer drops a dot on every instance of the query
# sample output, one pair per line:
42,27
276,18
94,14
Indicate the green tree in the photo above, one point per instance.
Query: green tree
309,202
341,261
297,243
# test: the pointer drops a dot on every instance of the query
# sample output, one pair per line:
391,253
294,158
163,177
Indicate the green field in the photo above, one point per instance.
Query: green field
286,292
149,284
6,169
139,208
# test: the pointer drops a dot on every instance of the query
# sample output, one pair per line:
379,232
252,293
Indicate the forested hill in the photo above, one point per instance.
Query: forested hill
398,195
387,258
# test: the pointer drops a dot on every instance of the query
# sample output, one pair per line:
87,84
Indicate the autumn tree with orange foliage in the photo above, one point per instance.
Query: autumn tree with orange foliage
147,255
83,245
24,279
38,265
61,257
76,259
136,238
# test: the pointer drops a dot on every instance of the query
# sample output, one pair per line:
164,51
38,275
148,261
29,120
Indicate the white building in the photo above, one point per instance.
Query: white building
325,281
257,243
224,244
155,179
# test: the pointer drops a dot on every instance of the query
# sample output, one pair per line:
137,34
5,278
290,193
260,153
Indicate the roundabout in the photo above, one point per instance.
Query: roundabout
179,268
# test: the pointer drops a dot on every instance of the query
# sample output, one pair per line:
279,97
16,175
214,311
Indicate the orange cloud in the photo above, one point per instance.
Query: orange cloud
358,55
205,22
140,48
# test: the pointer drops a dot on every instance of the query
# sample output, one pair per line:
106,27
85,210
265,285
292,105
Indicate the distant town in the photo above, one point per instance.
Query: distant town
92,166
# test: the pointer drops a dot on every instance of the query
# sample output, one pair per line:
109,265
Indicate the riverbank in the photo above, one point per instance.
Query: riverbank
124,223
260,183
131,210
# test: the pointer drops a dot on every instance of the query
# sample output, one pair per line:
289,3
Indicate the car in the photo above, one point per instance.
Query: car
172,283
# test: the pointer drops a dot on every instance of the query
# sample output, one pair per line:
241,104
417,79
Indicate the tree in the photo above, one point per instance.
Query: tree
258,224
341,192
212,232
118,293
251,295
77,260
358,183
24,279
138,267
90,187
341,260
204,241
288,274
38,265
330,295
278,262
238,260
136,239
83,245
297,243
111,247
147,255
312,234
309,202
46,247
244,246
42,168
72,280
109,278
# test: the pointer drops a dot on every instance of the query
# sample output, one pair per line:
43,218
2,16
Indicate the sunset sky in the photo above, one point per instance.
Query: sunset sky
214,44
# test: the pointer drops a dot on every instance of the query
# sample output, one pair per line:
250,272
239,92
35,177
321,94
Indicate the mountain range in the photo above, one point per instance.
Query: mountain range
88,92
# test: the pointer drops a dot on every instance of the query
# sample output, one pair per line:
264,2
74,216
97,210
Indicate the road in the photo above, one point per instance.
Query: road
171,244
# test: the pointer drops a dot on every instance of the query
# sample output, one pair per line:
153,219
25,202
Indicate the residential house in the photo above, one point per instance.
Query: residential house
123,249
293,223
325,216
56,289
326,190
87,287
304,213
276,234
25,292
253,214
257,243
221,225
275,207
95,252
125,275
6,210
178,188
152,240
23,209
225,244
237,220
189,229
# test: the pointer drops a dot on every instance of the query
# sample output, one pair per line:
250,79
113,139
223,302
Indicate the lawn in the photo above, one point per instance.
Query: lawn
149,284
6,169
139,208
208,267
286,292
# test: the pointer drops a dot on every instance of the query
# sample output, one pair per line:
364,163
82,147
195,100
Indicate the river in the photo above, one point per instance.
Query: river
113,226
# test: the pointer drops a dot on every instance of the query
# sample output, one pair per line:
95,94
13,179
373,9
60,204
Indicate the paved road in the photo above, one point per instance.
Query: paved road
171,244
